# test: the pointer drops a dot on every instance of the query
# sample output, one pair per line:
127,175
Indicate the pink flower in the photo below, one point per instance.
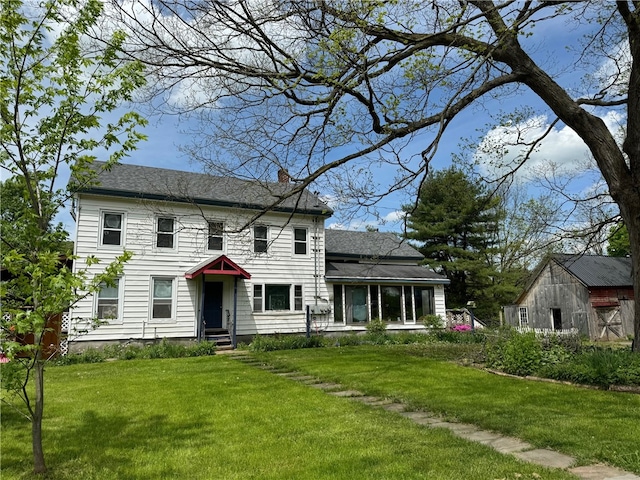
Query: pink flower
461,328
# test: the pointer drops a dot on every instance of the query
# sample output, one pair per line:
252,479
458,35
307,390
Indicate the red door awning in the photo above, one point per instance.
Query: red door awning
221,265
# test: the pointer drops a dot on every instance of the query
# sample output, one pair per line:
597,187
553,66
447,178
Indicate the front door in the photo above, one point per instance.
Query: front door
212,305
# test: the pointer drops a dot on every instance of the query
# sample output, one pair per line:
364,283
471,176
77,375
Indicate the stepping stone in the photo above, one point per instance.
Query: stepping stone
288,374
509,445
602,472
326,386
372,401
422,418
463,430
394,407
546,458
303,378
347,393
481,436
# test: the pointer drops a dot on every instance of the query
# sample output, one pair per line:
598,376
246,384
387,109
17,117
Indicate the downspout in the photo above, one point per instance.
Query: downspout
199,330
235,310
315,259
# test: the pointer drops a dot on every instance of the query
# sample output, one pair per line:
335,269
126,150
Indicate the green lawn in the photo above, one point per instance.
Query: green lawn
216,418
593,425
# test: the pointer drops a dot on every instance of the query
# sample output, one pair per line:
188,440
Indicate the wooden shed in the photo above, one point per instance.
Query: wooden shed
590,293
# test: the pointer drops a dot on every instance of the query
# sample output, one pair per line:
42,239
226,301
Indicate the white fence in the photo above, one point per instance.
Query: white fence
565,332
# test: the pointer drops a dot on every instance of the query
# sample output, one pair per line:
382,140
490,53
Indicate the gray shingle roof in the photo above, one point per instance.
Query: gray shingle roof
135,181
379,245
598,270
376,272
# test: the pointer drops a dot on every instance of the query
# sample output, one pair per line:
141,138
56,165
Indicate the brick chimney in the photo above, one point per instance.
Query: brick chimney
283,176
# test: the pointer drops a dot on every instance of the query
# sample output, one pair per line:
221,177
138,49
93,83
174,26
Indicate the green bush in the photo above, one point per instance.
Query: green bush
432,321
269,343
164,349
597,366
377,326
522,354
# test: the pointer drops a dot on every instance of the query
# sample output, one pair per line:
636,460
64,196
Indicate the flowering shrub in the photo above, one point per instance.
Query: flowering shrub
461,328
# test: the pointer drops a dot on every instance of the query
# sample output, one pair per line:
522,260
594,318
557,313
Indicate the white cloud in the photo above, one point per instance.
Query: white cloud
505,147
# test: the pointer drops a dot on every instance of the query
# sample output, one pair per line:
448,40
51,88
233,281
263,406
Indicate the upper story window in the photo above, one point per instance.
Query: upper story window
300,241
112,228
108,301
260,238
165,232
215,238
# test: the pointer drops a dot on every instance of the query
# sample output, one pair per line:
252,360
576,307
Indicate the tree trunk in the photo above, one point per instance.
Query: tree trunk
631,215
36,421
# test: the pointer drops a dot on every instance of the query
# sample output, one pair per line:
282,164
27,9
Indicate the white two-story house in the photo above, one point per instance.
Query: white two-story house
217,255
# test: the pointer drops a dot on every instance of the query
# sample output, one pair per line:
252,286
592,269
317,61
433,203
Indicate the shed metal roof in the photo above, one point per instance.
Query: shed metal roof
135,181
379,245
598,270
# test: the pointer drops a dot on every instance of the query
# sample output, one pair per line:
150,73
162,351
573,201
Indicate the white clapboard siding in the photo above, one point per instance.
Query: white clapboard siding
279,265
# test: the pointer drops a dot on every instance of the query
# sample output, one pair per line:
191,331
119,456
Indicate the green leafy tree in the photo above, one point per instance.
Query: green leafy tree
619,245
455,222
53,93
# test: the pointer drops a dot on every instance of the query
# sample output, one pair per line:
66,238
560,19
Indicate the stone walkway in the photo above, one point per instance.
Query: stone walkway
505,445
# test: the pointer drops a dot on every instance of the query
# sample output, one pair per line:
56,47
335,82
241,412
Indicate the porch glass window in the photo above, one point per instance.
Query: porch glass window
408,304
108,301
165,232
215,239
356,304
375,301
112,228
300,241
338,316
425,301
260,239
391,303
162,301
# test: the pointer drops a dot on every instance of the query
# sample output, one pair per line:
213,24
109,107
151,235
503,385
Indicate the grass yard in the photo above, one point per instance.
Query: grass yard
592,425
216,418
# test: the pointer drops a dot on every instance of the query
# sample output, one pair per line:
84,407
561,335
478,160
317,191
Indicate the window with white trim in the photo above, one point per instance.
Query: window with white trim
215,240
260,238
523,314
165,232
112,224
300,241
257,298
297,297
108,303
161,298
277,297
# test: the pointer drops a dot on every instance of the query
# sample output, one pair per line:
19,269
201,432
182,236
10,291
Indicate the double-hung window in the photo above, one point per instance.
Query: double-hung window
162,298
108,301
215,238
260,238
297,297
523,313
112,228
165,232
300,241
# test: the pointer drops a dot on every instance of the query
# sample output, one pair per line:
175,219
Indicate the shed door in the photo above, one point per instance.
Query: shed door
556,315
212,305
